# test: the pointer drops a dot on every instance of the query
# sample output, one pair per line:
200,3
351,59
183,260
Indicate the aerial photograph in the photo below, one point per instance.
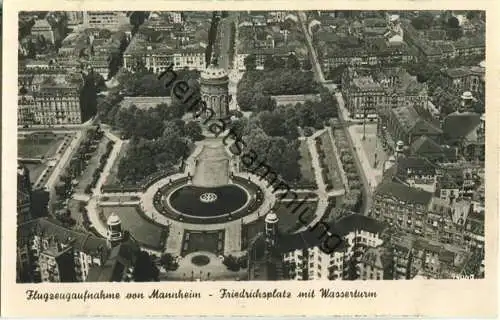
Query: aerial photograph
201,146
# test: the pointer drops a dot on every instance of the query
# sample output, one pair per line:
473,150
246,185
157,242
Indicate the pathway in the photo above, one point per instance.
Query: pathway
323,195
110,162
232,238
315,62
93,215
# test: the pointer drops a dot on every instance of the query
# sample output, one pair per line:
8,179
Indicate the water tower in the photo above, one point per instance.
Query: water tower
214,89
114,233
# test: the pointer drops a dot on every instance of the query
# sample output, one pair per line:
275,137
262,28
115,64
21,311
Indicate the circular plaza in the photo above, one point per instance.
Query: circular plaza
210,193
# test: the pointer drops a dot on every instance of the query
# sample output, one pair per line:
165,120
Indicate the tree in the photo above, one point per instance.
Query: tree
145,270
167,260
453,22
264,102
453,28
250,62
423,21
137,18
273,62
292,62
307,65
193,131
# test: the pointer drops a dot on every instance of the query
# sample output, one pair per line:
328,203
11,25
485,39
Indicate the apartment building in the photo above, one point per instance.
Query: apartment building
52,253
304,251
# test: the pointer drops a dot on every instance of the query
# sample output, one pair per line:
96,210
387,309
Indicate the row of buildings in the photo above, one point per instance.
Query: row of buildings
367,249
55,86
49,252
167,39
268,36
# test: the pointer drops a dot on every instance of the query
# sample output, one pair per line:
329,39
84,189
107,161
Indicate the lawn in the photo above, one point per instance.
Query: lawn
305,162
93,164
289,220
331,161
38,145
211,241
144,231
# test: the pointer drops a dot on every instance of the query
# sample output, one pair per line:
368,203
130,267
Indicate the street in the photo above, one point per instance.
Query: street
315,62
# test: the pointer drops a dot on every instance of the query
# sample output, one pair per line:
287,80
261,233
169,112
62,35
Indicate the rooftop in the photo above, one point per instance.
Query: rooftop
339,228
411,121
404,193
46,227
458,125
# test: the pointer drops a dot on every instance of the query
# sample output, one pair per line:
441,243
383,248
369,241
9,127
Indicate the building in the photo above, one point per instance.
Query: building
305,254
214,90
58,101
416,258
124,256
111,20
74,17
23,194
466,131
271,230
417,173
48,252
114,232
467,78
362,94
42,28
376,264
378,91
159,56
401,88
474,229
406,125
57,263
397,204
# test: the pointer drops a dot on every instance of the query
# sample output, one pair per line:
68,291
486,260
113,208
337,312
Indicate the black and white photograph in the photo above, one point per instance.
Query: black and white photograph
202,146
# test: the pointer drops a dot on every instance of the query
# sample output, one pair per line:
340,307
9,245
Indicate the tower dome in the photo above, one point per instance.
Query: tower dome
113,220
213,72
271,217
114,231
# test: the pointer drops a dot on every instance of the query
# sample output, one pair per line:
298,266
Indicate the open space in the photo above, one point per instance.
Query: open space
39,145
149,234
372,147
36,170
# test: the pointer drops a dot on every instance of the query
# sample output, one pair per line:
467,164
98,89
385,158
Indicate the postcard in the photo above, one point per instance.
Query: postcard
250,158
